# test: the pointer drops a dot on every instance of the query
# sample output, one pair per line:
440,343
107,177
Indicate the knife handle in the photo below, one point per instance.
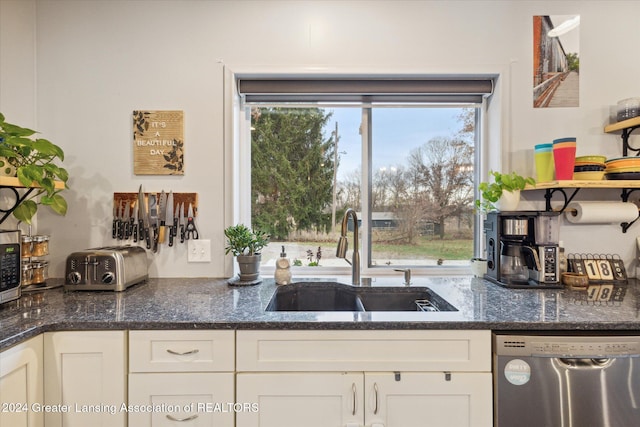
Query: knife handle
170,236
181,233
134,232
140,230
114,229
161,234
147,236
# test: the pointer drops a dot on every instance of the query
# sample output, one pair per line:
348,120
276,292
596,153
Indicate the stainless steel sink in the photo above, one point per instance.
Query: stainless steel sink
332,296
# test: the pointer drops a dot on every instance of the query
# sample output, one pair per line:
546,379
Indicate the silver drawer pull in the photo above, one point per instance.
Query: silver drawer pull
180,420
186,353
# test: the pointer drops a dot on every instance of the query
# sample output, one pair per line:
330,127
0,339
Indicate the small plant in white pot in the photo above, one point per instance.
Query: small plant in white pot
503,193
245,244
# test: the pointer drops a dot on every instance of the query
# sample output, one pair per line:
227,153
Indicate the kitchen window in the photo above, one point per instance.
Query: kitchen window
401,152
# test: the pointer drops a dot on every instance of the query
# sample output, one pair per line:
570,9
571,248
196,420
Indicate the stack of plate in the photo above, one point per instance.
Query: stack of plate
623,168
589,168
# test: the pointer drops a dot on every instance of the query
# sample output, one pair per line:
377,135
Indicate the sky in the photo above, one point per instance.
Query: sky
396,132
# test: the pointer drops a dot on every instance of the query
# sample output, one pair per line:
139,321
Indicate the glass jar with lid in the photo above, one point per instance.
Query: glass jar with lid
40,246
40,272
27,274
26,246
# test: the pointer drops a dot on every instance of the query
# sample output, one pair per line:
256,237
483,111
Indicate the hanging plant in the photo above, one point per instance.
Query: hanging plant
34,160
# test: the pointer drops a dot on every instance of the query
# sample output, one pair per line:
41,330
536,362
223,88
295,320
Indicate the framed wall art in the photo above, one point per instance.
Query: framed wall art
158,142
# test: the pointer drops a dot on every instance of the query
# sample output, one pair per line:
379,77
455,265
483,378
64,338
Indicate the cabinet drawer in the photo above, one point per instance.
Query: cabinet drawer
432,350
172,399
181,351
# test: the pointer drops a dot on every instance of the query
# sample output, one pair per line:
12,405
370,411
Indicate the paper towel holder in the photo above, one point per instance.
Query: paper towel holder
625,198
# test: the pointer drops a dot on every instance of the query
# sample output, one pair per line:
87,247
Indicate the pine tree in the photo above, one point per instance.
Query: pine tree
292,170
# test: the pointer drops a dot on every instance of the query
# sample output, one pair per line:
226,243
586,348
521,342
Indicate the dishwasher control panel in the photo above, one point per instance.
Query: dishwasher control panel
567,346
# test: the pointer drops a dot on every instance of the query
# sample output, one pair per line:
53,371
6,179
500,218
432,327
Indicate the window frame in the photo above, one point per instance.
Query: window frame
238,158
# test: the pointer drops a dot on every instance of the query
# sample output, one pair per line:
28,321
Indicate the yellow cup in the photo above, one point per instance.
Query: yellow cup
544,165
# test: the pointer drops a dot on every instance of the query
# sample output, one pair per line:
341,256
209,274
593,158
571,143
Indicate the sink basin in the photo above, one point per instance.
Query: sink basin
332,296
315,296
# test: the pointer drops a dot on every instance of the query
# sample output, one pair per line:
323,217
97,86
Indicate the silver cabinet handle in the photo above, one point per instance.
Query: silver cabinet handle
180,420
186,353
355,396
375,393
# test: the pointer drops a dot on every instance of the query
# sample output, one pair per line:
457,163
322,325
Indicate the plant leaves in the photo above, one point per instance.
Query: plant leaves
57,203
25,211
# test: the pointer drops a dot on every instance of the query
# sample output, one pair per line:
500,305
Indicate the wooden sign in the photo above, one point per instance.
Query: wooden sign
158,143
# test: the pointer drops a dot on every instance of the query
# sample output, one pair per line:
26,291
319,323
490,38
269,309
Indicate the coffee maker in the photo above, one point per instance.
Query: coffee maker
522,249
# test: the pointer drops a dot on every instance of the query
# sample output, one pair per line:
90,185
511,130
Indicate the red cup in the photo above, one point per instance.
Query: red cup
564,159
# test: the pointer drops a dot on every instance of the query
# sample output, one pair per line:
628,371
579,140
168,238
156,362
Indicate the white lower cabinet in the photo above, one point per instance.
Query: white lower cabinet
21,384
406,378
458,399
85,378
182,378
380,399
190,399
288,399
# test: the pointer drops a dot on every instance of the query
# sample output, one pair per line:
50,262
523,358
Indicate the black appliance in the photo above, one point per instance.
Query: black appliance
522,249
10,274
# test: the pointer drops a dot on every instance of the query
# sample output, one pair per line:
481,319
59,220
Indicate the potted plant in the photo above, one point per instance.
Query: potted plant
245,244
33,160
503,193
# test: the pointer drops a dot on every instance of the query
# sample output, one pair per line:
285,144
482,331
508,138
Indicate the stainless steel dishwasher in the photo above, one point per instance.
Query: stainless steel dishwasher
566,381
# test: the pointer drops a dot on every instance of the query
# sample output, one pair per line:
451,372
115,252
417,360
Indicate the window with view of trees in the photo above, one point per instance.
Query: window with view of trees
307,170
404,161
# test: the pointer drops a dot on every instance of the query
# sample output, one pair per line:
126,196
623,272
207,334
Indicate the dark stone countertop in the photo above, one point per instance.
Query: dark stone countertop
205,303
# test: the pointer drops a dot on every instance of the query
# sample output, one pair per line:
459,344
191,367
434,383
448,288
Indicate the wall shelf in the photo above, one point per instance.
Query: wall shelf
626,126
627,187
13,183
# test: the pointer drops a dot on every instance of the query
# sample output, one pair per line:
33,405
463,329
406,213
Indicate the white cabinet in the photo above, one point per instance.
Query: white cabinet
294,399
85,378
21,384
181,378
364,378
412,399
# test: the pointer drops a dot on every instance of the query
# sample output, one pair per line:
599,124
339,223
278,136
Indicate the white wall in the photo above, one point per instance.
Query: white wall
97,61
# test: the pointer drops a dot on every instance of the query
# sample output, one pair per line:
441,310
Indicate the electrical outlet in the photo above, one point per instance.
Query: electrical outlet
199,250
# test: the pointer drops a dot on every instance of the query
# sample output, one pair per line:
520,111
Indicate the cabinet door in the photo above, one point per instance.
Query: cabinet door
420,399
86,378
300,399
21,384
193,399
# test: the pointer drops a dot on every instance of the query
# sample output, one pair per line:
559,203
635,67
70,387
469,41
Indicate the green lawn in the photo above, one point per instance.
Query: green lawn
428,248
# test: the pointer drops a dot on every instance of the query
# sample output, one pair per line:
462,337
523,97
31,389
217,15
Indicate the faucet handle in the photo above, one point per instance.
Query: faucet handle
407,275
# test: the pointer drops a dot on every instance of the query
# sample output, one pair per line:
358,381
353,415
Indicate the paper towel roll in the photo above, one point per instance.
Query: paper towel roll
600,212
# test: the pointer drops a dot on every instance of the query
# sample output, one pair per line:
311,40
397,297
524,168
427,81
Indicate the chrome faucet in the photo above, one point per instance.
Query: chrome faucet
341,250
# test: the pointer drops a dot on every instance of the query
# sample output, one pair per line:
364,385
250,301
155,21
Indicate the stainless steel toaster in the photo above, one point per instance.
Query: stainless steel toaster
112,268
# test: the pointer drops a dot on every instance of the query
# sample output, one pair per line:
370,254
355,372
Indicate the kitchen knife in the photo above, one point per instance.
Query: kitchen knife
162,213
169,217
126,226
182,222
153,220
121,222
114,229
147,230
134,222
141,212
176,216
